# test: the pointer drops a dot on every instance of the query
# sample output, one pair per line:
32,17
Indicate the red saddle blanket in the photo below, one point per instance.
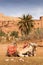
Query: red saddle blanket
12,49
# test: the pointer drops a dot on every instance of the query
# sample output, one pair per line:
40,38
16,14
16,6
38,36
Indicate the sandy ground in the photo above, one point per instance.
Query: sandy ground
21,61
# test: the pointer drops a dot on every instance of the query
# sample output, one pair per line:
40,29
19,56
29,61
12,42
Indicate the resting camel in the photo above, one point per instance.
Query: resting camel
29,50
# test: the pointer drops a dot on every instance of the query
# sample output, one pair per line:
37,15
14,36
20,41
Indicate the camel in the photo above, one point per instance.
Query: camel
29,50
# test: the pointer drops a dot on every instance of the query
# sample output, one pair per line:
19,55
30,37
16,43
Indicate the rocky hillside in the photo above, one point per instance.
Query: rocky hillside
8,23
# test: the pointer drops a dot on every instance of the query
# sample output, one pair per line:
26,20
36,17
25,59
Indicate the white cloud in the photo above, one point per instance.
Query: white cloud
36,12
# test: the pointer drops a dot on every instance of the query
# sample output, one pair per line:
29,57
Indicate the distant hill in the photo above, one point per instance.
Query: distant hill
8,23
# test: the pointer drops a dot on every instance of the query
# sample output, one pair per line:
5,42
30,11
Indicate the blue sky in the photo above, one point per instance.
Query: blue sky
20,7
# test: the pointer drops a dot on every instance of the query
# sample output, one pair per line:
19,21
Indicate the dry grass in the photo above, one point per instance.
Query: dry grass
24,61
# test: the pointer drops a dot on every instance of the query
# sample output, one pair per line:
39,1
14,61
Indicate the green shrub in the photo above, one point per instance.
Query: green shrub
14,34
2,33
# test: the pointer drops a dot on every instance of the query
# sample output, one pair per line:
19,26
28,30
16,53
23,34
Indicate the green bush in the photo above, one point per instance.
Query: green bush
14,34
2,33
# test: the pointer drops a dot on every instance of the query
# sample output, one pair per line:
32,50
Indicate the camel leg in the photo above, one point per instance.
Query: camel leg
21,55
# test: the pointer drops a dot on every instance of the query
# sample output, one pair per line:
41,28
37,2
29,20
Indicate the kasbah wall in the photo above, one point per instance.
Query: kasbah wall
8,23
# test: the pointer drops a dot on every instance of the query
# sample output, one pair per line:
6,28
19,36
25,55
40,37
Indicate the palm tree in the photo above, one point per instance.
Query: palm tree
25,24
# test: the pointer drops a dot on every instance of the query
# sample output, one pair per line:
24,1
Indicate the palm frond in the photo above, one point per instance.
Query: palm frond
20,26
